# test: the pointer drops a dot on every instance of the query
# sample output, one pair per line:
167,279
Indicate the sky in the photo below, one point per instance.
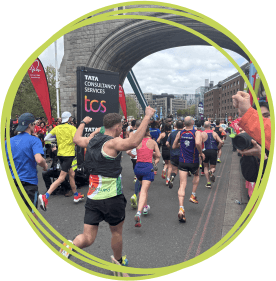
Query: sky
178,70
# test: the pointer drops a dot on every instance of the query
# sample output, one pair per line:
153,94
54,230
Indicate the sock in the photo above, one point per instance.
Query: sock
47,195
138,213
76,194
168,178
120,260
181,207
194,193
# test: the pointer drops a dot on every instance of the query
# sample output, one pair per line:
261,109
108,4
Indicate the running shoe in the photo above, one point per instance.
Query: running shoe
212,176
78,198
124,261
163,175
146,210
189,174
133,201
202,173
43,202
155,172
200,166
64,252
193,199
218,160
135,179
137,220
163,162
171,182
167,182
208,185
181,215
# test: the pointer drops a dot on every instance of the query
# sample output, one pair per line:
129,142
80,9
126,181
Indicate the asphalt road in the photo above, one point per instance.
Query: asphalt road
162,240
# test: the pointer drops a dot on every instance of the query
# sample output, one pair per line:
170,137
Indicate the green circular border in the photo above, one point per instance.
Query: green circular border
82,21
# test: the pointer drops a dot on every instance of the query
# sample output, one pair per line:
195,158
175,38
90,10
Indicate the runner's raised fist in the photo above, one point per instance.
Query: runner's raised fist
149,111
87,119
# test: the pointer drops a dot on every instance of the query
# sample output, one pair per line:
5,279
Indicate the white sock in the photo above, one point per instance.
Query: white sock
194,193
168,178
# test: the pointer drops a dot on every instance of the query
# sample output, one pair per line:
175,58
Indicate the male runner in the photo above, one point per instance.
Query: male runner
221,133
66,153
27,152
190,142
174,153
105,199
212,143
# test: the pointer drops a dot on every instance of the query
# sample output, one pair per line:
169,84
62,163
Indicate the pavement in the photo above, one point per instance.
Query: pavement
162,240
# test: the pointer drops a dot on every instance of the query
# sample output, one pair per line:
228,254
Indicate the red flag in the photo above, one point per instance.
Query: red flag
235,125
122,100
39,80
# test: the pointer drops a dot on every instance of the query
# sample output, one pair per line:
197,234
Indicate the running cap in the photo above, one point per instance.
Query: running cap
65,116
24,120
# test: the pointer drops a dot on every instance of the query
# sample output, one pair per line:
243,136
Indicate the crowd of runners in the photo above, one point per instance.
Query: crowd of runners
185,148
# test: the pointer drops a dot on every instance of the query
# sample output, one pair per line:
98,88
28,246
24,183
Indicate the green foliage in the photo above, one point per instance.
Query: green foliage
132,109
186,112
26,99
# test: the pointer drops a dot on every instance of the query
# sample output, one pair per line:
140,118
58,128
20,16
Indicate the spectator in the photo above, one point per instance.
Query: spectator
250,119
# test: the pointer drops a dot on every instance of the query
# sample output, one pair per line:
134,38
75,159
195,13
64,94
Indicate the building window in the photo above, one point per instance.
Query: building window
231,85
234,83
238,82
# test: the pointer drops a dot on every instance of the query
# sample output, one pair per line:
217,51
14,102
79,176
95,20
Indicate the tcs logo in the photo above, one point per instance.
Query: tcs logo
88,105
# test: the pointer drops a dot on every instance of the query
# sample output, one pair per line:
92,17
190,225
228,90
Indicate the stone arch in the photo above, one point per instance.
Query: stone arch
118,45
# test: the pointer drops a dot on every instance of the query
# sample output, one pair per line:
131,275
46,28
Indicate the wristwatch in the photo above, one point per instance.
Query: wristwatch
82,122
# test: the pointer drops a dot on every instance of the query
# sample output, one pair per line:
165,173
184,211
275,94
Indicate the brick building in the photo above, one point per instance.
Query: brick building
218,100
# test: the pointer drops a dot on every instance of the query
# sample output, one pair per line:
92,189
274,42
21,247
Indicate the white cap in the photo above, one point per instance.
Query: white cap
65,116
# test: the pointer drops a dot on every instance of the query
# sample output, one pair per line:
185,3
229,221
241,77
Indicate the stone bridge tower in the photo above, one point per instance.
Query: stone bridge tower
117,45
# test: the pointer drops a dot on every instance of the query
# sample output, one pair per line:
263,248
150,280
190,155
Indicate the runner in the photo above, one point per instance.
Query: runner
165,150
212,142
174,153
189,140
66,153
221,133
27,152
147,149
133,155
105,199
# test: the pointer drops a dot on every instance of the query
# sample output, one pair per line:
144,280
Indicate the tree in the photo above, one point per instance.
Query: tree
131,106
26,99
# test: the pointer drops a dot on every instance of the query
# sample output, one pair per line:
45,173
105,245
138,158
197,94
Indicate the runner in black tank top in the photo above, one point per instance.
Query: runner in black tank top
165,151
221,133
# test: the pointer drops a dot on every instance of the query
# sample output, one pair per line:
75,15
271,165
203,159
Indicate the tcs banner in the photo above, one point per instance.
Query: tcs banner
97,95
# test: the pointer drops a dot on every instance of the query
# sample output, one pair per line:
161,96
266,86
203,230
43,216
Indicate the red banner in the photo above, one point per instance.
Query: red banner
39,80
122,100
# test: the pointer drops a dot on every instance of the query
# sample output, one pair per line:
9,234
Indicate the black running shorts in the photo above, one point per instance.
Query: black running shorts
175,160
66,162
188,167
32,192
210,156
165,154
111,210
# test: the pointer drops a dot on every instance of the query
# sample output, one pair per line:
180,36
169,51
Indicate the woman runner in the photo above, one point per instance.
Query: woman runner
147,149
